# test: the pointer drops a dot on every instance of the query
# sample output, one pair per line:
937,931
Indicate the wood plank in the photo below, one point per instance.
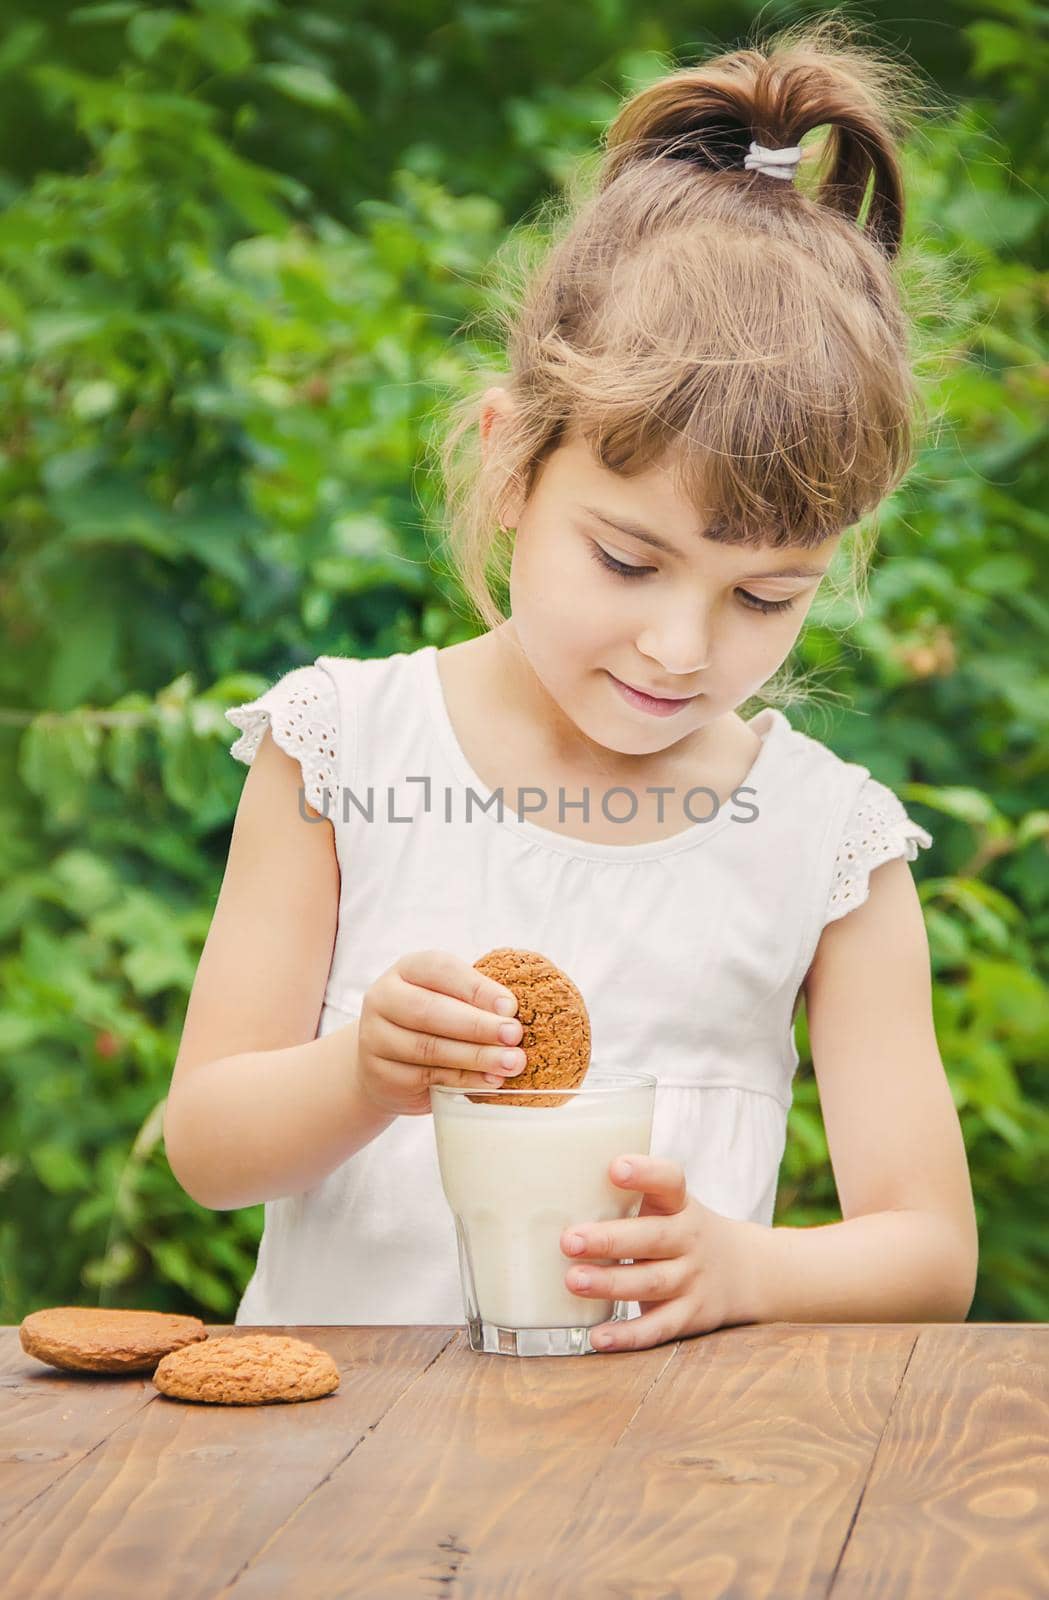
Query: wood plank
12,1356
594,1477
174,1498
958,1498
483,1453
742,1473
50,1421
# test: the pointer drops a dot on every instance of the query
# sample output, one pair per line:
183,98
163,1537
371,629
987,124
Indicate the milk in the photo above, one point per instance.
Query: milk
515,1176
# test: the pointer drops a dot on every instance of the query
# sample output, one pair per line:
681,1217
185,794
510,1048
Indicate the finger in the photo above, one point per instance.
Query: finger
634,1238
661,1180
641,1281
646,1172
408,1075
662,1183
638,1333
450,975
427,1010
433,1053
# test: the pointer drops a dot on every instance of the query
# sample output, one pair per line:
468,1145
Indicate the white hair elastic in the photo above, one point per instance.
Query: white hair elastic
773,163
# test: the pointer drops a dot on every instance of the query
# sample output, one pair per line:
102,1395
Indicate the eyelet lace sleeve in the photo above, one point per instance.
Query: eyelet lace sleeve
302,710
877,830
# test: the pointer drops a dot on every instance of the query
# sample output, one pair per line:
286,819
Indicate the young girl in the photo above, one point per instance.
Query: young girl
708,385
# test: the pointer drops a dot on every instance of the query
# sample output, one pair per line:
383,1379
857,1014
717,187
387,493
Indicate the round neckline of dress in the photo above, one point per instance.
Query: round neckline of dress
769,724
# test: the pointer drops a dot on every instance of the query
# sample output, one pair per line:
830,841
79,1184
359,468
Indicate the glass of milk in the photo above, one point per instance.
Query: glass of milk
515,1175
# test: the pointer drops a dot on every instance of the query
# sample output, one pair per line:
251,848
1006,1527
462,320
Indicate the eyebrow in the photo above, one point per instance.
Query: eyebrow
636,531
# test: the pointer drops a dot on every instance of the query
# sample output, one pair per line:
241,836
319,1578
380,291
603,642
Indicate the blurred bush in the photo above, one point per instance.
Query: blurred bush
237,243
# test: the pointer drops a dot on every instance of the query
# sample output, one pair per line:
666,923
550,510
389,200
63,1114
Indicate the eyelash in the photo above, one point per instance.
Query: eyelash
752,602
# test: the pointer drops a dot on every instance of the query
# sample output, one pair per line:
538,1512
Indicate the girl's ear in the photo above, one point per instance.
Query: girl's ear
495,405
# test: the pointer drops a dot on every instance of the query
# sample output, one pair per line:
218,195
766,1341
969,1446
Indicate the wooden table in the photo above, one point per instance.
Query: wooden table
784,1460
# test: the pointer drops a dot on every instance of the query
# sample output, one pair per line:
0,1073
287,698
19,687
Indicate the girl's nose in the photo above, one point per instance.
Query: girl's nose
680,646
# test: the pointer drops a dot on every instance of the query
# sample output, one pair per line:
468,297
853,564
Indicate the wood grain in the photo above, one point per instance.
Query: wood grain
958,1499
776,1461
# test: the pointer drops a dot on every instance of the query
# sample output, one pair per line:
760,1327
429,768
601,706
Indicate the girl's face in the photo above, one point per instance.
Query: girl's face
691,618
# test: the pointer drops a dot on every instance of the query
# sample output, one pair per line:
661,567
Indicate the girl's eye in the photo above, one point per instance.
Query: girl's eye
753,602
618,566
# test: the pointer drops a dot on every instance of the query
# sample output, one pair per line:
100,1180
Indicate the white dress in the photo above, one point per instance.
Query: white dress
690,951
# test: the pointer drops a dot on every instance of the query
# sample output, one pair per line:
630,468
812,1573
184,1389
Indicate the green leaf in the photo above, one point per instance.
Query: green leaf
309,87
808,1130
86,661
115,11
174,1261
221,42
968,805
1007,1126
1035,825
1013,1002
20,45
948,943
17,1031
148,31
90,1213
114,1268
59,1168
1000,574
995,46
56,758
86,881
186,765
984,913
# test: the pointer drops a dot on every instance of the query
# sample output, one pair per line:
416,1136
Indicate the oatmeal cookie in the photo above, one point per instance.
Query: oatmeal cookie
104,1338
251,1369
555,1023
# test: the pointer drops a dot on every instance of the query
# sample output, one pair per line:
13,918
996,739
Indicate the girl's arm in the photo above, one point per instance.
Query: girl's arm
907,1249
258,1106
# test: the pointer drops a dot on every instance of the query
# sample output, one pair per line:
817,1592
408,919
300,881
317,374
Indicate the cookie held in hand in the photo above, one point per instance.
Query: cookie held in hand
104,1338
252,1369
555,1023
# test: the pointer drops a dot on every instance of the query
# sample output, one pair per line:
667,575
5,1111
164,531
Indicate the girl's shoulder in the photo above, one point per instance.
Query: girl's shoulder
302,712
873,825
305,710
878,829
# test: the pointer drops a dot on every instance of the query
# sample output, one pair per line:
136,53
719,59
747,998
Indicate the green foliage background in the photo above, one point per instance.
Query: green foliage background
237,240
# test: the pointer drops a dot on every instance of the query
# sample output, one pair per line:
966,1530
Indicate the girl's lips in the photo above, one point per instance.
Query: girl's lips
647,702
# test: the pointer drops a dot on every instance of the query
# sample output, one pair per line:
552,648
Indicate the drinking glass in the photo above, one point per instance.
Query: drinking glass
518,1166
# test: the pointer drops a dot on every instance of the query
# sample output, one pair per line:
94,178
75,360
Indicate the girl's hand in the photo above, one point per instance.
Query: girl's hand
693,1270
431,1018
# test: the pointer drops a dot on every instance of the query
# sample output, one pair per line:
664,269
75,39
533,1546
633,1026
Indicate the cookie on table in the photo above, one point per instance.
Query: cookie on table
104,1338
555,1026
251,1369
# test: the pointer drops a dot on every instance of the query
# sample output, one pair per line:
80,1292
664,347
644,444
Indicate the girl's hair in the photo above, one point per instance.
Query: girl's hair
743,332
